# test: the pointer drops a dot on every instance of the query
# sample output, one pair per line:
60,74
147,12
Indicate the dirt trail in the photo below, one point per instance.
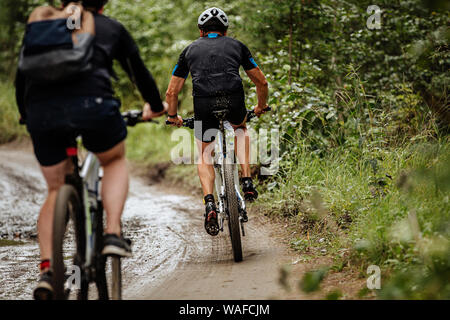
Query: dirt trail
202,267
173,257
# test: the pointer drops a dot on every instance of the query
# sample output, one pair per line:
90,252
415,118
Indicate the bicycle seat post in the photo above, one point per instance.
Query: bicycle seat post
221,114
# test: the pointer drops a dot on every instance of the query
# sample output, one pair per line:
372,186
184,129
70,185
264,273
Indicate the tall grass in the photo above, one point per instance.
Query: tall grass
389,207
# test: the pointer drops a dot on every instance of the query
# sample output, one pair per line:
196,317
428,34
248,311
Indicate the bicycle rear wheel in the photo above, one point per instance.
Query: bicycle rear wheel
68,239
233,212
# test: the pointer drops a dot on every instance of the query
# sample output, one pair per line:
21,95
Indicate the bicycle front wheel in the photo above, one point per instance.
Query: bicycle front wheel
68,241
233,212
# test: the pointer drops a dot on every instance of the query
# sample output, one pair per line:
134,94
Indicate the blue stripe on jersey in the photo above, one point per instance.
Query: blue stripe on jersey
175,69
253,62
213,35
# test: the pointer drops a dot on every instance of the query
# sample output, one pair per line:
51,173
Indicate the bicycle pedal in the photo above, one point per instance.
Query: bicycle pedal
243,217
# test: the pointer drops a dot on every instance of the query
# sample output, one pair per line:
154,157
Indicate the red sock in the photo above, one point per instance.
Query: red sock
45,264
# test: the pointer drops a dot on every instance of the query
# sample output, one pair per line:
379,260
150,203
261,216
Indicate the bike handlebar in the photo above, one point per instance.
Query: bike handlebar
189,122
134,117
251,114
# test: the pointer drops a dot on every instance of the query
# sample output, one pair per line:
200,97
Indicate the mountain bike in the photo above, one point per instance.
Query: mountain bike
78,230
230,202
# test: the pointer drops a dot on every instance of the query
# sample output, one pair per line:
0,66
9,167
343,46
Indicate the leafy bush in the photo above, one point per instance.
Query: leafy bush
9,116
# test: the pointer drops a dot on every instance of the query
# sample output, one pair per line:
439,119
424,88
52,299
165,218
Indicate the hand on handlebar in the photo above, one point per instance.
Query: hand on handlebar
178,121
260,110
148,113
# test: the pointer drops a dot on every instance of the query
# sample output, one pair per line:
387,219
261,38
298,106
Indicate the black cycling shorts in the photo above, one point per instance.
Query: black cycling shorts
207,125
53,124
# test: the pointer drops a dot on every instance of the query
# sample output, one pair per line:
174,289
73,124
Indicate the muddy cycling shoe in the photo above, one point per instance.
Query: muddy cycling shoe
116,246
211,221
250,193
44,289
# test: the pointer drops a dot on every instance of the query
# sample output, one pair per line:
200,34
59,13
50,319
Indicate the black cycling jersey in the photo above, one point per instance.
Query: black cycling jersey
214,63
112,42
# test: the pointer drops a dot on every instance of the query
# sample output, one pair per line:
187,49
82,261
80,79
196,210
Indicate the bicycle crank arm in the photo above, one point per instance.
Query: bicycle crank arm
242,226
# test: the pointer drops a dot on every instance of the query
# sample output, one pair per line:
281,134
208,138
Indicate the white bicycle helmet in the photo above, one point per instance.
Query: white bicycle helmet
213,17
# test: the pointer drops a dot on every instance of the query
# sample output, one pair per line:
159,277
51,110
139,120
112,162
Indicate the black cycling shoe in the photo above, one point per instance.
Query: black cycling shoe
250,193
116,246
211,221
44,289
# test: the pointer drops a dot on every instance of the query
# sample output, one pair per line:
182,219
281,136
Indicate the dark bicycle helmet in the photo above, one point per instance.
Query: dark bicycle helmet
88,3
213,19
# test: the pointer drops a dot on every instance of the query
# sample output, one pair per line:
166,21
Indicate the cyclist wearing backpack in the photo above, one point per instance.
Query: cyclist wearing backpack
63,87
214,61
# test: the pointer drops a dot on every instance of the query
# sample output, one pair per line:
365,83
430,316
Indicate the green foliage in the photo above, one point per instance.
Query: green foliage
8,243
415,207
9,117
334,295
390,206
360,109
13,17
312,279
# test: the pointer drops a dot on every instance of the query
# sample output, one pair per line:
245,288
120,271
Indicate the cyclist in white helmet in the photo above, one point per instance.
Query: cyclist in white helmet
214,61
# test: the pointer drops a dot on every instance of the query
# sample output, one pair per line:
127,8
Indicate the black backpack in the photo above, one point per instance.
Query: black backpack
58,44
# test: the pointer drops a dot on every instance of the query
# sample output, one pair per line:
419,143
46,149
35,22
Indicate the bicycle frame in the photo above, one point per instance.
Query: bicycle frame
91,175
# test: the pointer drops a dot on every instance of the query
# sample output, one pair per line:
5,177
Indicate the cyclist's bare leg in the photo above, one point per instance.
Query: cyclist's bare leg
54,176
242,147
205,167
114,185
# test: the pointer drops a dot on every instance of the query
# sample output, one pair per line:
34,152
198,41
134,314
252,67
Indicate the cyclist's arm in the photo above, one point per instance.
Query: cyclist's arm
255,74
131,61
20,94
175,86
139,74
262,87
179,76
